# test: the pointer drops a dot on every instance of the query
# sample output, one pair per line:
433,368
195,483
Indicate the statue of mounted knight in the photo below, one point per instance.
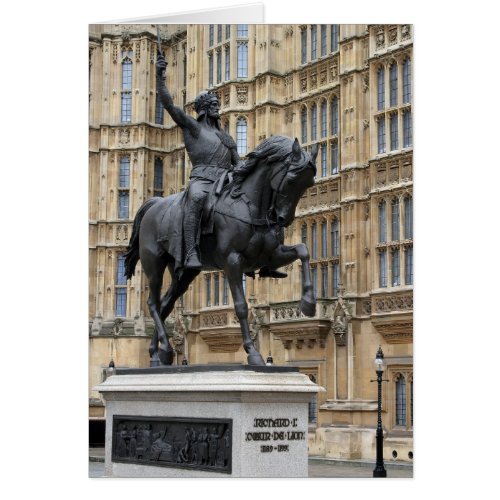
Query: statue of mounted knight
230,217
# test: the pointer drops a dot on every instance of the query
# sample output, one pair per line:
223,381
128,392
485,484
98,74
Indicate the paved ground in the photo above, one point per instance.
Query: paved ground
317,467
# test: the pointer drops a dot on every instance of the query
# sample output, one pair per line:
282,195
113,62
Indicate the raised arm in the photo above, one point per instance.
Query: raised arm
182,119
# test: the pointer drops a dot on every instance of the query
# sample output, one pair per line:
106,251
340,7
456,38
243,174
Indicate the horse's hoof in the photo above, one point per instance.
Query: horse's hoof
154,361
308,308
166,356
255,360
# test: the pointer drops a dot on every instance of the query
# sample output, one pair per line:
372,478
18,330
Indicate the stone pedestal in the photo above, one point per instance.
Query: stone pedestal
207,421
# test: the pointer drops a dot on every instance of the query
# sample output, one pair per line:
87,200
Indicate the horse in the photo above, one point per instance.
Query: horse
246,235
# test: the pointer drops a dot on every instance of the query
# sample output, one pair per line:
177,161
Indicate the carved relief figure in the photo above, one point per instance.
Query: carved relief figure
213,440
202,447
160,449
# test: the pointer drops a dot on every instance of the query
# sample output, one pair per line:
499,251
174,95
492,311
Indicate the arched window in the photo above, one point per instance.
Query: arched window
158,177
409,266
208,290
396,280
323,119
401,401
382,222
210,35
335,279
303,233
303,46
242,30
335,37
314,122
124,187
324,241
407,129
324,281
314,279
323,40
210,69
126,91
241,136
381,134
120,287
216,289
395,219
393,75
407,80
242,59
314,42
303,124
381,89
335,238
314,241
323,160
335,115
219,66
382,268
227,56
335,157
408,206
394,131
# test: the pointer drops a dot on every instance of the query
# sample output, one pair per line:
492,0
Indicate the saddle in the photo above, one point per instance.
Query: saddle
221,200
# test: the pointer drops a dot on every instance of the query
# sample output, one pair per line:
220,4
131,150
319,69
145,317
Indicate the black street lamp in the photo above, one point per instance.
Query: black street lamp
379,470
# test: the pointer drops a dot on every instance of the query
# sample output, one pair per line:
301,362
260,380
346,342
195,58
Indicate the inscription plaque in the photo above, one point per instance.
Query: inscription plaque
189,443
271,430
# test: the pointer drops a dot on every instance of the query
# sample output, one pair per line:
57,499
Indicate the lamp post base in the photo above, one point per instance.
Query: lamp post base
379,471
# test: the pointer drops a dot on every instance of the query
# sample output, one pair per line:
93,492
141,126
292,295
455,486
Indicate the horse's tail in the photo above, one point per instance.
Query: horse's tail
132,254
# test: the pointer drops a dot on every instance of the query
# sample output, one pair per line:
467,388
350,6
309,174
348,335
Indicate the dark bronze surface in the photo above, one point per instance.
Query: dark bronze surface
231,217
188,443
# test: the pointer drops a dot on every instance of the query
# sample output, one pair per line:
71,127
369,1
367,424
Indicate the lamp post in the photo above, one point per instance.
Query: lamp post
379,470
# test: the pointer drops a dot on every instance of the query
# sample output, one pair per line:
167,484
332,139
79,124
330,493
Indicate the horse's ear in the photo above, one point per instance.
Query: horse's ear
296,149
314,153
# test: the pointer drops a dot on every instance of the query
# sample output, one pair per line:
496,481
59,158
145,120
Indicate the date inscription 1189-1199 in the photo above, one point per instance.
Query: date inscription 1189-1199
203,444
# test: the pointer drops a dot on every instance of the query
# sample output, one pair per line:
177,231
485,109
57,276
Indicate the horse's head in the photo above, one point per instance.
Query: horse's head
290,183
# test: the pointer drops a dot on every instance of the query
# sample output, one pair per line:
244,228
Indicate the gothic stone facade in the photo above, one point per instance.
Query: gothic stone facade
346,87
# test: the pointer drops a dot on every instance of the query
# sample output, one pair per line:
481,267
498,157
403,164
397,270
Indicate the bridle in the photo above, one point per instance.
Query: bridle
284,171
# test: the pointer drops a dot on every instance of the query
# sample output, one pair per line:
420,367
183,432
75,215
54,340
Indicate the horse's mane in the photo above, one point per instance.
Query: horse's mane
277,148
274,148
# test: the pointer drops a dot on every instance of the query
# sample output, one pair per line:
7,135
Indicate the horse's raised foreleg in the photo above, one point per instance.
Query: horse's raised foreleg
284,255
234,272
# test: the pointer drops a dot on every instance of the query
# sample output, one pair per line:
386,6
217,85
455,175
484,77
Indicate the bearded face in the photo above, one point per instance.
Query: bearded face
213,109
208,104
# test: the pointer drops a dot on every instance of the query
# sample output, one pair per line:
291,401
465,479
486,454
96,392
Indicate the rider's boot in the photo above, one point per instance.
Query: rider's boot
192,222
267,272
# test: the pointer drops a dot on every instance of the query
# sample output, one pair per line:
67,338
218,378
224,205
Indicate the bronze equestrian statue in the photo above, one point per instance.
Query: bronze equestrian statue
235,226
213,154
